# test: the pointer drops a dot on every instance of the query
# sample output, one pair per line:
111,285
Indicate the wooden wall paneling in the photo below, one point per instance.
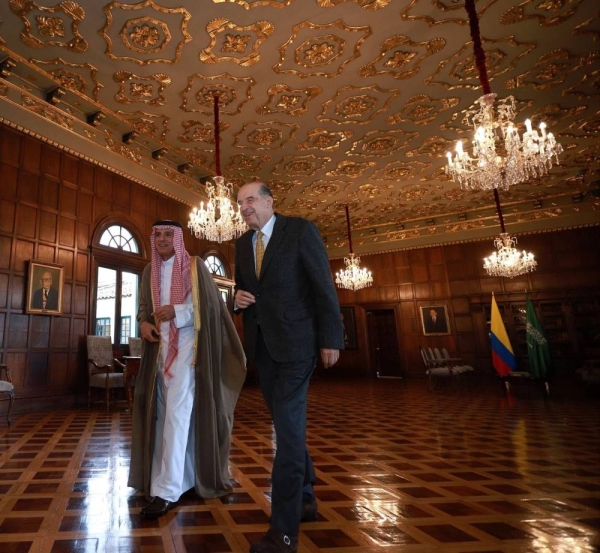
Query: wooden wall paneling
66,258
439,289
403,275
517,284
5,250
48,226
66,231
81,267
60,332
7,216
85,206
10,179
121,192
103,185
80,299
69,166
50,161
67,298
48,194
17,331
82,236
68,199
461,305
85,176
45,252
39,331
367,295
422,290
406,292
2,327
78,332
37,371
26,221
385,277
388,293
58,371
420,273
31,153
491,284
10,144
16,361
4,280
23,253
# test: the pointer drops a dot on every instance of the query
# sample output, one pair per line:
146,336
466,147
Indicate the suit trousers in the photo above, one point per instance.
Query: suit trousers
285,388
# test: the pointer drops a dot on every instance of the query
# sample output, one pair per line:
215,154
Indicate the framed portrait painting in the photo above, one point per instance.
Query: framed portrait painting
44,288
349,327
434,320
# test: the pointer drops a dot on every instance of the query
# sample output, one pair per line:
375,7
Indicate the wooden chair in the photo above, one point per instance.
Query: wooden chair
101,367
435,370
6,387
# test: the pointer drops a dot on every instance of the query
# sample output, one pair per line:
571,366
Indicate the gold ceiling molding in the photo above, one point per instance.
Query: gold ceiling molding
242,48
300,166
398,171
73,76
285,99
153,34
382,143
401,57
422,110
324,140
281,186
50,27
319,51
151,124
138,89
47,111
369,5
351,169
233,92
200,131
357,104
550,70
270,135
547,13
247,163
589,84
247,4
132,154
460,71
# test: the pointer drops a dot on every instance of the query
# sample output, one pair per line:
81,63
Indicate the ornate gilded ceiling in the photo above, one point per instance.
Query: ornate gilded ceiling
331,102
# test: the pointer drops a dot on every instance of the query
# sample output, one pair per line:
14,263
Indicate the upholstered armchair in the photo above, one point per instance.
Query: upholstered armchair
101,367
6,387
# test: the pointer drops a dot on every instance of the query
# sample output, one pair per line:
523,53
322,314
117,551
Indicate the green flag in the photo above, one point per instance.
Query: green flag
539,353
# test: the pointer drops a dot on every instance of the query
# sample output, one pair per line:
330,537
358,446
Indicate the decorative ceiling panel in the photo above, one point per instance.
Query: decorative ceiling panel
330,102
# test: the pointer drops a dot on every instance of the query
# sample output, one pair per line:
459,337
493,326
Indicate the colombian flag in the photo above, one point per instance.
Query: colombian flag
503,357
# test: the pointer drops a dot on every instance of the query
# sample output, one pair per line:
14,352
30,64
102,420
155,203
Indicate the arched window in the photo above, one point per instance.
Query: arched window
215,266
119,267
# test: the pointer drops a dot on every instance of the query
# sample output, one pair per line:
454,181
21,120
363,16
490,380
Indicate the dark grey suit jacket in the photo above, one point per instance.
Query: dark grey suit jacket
296,305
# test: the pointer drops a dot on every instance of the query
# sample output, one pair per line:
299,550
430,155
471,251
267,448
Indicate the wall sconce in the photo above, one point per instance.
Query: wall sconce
160,153
53,96
462,216
129,137
184,168
94,119
577,198
537,203
6,66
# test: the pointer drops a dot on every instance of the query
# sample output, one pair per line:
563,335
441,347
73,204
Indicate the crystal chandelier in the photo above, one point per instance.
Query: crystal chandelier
500,157
352,277
219,221
507,261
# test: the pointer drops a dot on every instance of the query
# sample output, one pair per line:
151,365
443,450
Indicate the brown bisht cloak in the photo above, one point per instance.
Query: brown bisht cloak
220,372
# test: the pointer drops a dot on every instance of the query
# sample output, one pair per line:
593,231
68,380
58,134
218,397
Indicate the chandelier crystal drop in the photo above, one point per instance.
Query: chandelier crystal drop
219,221
500,157
508,261
353,277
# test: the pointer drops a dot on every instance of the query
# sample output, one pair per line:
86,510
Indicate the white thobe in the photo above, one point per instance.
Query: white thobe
173,456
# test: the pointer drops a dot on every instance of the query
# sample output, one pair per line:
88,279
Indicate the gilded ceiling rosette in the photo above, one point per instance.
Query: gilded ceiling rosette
82,77
247,163
320,50
324,140
270,135
285,99
351,169
247,4
382,143
460,70
200,131
357,104
300,166
401,57
399,171
145,33
152,124
239,44
550,70
422,110
138,89
441,12
233,93
55,26
369,5
545,14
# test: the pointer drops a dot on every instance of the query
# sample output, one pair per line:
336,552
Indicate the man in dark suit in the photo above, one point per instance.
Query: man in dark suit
284,288
45,297
435,321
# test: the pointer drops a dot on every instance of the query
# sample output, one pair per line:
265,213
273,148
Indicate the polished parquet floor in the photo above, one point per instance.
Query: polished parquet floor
400,469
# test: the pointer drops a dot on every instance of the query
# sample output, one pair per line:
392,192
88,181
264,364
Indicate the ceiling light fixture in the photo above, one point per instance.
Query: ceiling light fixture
500,157
352,277
218,221
507,261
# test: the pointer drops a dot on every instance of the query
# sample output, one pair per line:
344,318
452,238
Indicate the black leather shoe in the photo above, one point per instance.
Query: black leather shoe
275,541
309,512
157,508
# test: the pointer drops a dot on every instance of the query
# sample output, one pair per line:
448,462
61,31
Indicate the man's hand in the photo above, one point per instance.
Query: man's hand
149,332
329,357
164,313
243,299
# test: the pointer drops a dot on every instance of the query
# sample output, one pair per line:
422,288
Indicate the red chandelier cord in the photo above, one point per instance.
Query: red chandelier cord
499,210
477,47
217,141
349,233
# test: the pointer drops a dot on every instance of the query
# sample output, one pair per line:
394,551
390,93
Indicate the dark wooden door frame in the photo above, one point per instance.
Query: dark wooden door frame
381,307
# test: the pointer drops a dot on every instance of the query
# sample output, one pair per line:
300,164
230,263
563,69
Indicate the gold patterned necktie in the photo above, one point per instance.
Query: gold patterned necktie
260,251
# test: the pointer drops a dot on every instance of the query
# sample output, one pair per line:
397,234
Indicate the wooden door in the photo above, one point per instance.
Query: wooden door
383,344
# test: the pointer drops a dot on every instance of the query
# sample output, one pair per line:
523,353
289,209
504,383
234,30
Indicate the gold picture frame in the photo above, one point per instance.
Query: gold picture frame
44,288
434,320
